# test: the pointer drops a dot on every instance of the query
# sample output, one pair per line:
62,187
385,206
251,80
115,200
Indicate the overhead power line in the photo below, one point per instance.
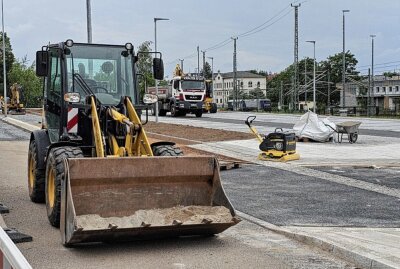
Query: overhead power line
268,23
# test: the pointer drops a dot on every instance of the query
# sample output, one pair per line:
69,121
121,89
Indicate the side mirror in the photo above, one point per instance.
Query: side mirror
158,68
42,62
150,99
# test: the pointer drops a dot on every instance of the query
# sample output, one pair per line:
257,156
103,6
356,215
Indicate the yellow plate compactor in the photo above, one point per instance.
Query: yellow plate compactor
277,146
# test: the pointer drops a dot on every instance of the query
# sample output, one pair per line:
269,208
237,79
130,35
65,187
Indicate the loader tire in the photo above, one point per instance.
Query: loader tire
55,170
214,108
198,113
167,150
36,175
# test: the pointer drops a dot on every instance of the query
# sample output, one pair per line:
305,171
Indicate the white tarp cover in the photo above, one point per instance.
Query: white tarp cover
309,126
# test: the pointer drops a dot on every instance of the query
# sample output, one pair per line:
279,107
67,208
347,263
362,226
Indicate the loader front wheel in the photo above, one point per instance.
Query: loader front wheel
167,150
55,171
36,175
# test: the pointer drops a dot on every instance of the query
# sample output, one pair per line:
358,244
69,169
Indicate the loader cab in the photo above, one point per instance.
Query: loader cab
107,72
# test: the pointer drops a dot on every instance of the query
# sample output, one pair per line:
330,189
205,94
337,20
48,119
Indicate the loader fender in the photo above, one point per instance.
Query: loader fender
162,143
59,144
42,142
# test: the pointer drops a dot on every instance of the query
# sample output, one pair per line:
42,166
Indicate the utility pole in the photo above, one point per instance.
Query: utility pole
344,63
369,92
198,62
204,64
212,71
155,49
89,21
89,33
329,89
314,89
4,61
305,81
281,96
296,54
181,60
372,71
235,89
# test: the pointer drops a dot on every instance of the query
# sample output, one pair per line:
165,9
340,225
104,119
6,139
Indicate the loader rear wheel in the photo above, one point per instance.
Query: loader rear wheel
36,175
167,150
214,108
55,171
198,113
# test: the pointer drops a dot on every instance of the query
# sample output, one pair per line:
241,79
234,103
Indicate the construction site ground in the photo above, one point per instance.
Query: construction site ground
321,200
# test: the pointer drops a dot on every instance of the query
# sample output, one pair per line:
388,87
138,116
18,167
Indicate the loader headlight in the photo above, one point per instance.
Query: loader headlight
72,97
279,146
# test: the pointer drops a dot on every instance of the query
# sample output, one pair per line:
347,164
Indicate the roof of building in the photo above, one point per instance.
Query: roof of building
241,74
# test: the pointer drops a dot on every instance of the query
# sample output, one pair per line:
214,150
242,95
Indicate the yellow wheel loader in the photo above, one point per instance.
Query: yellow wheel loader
209,104
14,104
276,146
92,163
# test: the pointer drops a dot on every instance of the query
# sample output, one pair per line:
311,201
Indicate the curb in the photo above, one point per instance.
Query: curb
343,253
348,255
20,124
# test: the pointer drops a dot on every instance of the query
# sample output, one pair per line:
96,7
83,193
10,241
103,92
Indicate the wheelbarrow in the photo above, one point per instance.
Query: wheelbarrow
348,127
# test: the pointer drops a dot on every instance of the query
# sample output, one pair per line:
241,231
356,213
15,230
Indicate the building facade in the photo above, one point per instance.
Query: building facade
247,81
385,93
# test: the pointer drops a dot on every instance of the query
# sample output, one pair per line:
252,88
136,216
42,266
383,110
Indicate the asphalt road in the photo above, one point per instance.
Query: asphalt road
289,199
386,176
243,246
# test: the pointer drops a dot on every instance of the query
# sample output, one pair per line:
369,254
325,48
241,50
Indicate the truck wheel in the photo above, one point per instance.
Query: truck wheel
198,114
167,150
36,175
174,112
55,171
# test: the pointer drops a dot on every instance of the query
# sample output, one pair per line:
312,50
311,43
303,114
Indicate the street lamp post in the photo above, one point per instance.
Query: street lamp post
4,61
314,90
372,72
212,70
344,62
155,50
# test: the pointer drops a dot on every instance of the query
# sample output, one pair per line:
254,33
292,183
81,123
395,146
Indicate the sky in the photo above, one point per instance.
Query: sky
207,23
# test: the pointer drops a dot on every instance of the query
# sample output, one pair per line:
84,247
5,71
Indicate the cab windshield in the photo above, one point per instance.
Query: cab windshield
105,71
192,85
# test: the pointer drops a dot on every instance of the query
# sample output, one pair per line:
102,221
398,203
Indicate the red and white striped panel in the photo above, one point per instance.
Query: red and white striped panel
72,122
4,264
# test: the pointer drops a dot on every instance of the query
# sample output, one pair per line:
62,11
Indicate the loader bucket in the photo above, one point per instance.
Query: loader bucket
123,199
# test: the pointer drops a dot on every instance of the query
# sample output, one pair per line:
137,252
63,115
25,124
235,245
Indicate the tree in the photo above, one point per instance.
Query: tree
208,71
334,66
257,93
9,56
32,85
259,72
145,67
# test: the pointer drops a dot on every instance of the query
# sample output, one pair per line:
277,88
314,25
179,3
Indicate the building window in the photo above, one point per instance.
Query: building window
258,84
250,84
384,89
241,84
390,89
397,88
377,89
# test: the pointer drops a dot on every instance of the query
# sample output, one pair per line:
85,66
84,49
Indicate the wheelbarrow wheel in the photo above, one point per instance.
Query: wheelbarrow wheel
353,137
